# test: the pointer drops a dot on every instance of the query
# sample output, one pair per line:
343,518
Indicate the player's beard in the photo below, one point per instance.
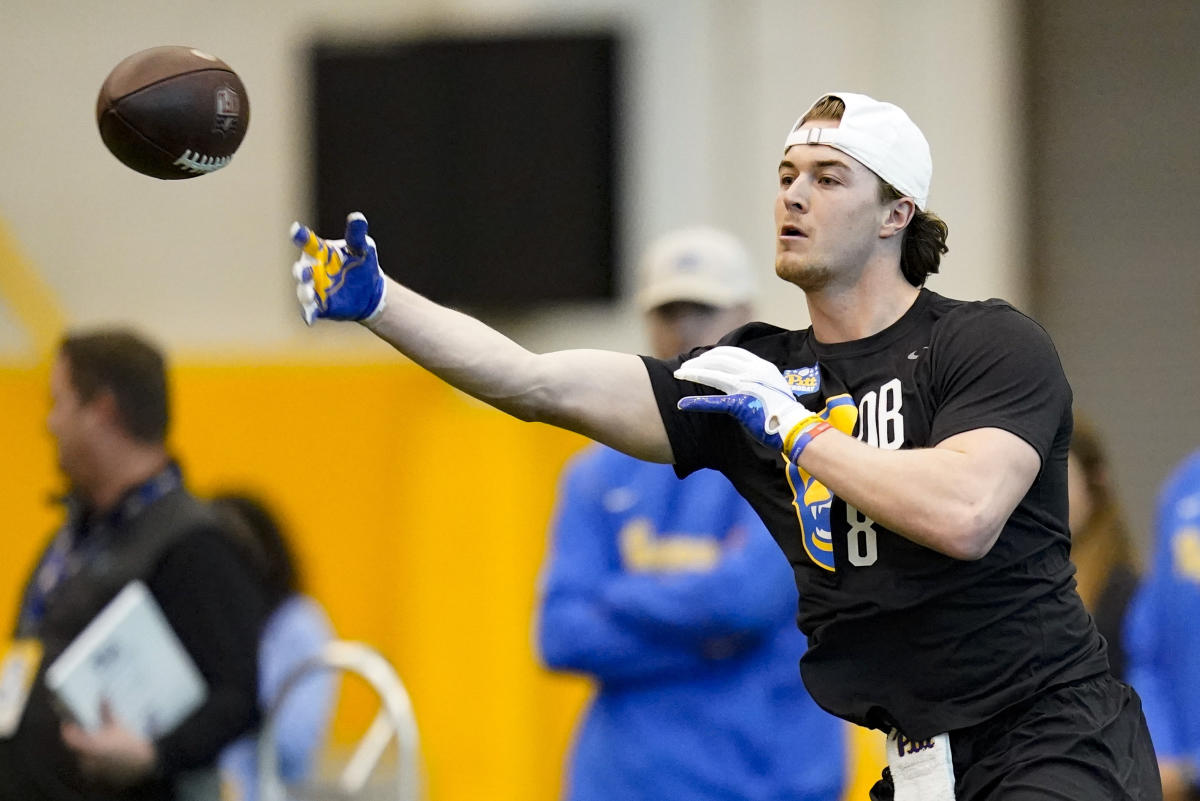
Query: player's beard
803,274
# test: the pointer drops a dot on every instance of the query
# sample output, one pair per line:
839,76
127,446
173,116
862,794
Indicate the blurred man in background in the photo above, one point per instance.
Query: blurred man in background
672,596
128,517
1162,639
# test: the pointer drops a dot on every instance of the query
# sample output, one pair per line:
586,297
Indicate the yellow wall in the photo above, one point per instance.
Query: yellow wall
419,515
27,478
865,760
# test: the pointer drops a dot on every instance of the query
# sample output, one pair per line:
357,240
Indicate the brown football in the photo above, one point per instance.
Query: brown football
173,112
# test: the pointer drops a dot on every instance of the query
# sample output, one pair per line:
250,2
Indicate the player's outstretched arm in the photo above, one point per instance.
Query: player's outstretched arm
601,394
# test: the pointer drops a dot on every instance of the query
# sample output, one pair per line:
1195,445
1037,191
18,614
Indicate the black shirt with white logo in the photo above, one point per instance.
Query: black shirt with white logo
901,635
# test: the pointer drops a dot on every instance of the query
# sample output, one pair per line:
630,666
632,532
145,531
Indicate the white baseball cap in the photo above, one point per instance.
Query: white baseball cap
697,265
881,136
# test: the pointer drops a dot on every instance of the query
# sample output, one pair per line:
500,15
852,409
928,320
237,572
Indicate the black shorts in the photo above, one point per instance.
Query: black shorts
1080,742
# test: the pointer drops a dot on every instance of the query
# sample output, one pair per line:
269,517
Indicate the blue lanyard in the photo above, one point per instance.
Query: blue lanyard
82,536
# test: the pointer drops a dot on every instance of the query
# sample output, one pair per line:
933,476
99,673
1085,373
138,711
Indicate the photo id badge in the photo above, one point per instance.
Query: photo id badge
17,672
921,769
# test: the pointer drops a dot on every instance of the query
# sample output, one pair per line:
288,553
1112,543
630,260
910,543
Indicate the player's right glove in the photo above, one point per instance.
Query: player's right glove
757,396
339,279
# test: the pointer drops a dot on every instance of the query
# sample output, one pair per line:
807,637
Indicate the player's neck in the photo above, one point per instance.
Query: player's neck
845,314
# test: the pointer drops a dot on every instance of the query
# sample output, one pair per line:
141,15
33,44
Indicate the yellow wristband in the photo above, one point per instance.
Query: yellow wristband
798,429
807,435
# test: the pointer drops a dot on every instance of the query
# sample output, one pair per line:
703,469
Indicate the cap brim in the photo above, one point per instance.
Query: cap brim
688,290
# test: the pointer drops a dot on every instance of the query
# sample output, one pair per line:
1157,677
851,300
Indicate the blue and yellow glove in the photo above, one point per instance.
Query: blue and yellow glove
339,279
757,396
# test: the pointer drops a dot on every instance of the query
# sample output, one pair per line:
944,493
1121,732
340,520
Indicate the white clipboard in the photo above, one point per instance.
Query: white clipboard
130,657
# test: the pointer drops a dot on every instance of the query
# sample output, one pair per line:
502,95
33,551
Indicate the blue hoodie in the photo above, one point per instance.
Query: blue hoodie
674,598
1161,638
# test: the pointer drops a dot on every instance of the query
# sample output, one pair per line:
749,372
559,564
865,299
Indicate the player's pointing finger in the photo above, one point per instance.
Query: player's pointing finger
305,239
356,232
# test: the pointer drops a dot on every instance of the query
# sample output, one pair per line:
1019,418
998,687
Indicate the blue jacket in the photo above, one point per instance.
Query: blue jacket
1161,635
674,598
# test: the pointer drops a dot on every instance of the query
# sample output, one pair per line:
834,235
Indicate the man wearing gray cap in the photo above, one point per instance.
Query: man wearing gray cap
671,595
907,451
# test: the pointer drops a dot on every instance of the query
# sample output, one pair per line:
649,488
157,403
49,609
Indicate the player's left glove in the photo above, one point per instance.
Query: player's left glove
339,279
757,395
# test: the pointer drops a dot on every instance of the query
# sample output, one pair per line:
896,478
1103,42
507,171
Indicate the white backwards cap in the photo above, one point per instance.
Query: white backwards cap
881,136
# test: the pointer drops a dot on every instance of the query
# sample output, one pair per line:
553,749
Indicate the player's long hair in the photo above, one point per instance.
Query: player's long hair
924,241
1103,542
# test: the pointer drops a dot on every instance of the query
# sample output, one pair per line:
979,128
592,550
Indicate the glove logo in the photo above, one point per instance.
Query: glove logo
804,380
810,497
339,279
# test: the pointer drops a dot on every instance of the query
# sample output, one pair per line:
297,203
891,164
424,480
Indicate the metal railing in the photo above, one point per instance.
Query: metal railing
395,718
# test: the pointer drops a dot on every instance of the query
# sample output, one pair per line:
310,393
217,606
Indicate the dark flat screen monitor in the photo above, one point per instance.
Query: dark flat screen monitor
486,166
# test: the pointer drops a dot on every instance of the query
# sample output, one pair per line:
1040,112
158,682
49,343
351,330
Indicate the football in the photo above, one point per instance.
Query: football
173,112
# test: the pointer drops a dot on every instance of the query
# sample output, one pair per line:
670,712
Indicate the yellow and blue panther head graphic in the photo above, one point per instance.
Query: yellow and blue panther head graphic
810,497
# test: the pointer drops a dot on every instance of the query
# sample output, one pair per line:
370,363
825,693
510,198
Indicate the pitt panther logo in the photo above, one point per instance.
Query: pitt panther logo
810,497
804,380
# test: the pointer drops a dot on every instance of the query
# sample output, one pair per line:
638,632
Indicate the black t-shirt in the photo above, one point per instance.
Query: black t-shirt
900,635
1110,613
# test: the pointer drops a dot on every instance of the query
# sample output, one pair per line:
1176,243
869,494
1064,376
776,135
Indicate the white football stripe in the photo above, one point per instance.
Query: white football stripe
196,162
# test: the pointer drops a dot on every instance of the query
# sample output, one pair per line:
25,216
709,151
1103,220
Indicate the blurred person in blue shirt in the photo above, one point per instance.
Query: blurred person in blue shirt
671,595
296,630
1162,638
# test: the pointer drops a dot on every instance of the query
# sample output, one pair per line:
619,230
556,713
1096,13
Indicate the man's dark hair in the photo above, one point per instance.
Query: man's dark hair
257,534
924,241
122,363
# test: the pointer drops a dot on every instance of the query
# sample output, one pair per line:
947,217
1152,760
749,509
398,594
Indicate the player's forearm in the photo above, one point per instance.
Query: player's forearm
463,352
937,497
603,395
